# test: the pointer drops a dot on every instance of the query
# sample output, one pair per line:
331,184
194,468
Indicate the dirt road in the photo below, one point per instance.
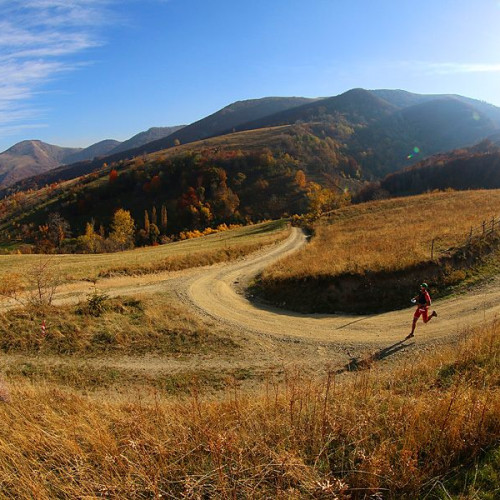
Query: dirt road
218,293
272,339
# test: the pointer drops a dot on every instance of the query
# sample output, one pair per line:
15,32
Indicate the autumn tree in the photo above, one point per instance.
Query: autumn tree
91,241
113,175
163,219
146,222
154,234
154,217
122,230
323,199
300,179
58,229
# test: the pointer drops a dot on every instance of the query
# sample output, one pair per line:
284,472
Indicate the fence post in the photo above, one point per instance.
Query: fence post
484,227
493,224
470,235
432,249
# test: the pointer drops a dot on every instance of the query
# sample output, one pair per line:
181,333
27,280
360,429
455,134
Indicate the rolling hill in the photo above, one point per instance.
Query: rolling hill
244,176
31,158
28,158
356,106
150,135
96,150
365,134
477,167
384,135
218,123
416,132
404,99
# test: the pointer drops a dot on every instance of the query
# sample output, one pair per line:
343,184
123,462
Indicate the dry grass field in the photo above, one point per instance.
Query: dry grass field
388,235
144,398
414,432
219,247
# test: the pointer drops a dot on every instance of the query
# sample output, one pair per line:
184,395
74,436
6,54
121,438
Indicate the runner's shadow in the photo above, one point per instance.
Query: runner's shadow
365,362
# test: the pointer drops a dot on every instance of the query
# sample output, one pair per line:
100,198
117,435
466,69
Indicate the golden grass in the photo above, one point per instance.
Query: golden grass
393,434
182,254
156,324
388,235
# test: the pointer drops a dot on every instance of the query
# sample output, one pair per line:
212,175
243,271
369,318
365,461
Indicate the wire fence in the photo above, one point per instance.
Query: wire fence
482,231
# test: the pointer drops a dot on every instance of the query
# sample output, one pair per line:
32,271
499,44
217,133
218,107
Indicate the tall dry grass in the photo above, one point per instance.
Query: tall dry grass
377,435
388,235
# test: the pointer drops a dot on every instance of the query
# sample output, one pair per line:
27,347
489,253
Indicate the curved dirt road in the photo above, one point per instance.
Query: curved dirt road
218,293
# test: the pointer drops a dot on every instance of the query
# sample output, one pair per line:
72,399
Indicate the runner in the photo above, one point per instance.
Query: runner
423,301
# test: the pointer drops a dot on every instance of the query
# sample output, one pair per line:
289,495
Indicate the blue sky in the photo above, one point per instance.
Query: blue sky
74,72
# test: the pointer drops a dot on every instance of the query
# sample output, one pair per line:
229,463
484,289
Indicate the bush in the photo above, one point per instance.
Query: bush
97,303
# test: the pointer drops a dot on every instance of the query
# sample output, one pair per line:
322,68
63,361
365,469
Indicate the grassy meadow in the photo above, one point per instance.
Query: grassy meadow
136,398
371,257
389,235
219,247
125,343
429,428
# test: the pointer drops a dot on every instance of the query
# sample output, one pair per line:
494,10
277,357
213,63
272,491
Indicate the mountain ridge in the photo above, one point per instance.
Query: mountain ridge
383,130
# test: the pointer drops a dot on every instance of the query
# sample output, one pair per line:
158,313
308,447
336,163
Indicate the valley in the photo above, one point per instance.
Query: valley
222,312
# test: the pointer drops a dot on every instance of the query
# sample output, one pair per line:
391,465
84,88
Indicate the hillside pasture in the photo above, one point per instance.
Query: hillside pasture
375,254
219,247
389,235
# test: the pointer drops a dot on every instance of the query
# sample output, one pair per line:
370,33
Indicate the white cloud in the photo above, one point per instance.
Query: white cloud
38,42
450,68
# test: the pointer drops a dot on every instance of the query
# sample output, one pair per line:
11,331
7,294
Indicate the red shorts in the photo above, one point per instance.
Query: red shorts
422,311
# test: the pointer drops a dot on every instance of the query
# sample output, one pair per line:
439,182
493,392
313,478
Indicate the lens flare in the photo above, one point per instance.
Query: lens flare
475,116
416,149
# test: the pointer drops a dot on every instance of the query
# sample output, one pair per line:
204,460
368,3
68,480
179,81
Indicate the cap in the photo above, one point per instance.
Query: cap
424,285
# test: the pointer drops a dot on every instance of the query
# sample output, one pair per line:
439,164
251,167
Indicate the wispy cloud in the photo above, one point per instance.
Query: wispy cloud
451,68
39,40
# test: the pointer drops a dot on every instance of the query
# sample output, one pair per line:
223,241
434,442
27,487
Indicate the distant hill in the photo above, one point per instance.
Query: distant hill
150,135
218,123
404,99
33,157
418,131
96,150
251,175
477,167
28,158
224,121
385,130
357,106
378,131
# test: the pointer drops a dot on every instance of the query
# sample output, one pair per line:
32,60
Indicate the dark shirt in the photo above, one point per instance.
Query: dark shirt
424,298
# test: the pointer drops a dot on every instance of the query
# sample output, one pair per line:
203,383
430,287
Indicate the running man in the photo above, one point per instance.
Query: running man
423,300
